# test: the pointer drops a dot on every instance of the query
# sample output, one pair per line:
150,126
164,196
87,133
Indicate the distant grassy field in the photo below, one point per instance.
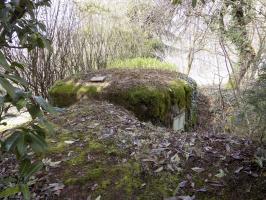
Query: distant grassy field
146,63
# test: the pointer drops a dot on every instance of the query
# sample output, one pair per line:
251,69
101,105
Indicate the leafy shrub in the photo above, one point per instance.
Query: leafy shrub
147,63
256,101
18,22
250,116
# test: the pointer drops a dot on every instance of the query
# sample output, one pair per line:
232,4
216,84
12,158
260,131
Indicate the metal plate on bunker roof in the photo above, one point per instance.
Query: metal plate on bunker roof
98,79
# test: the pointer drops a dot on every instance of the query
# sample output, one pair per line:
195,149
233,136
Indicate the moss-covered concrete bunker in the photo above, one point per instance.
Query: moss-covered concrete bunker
161,97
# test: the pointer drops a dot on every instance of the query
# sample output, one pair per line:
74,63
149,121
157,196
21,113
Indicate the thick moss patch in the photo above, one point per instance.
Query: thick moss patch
158,103
66,93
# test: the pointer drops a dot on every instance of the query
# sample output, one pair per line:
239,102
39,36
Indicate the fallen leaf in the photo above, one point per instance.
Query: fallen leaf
94,187
259,161
202,190
70,153
175,158
170,167
214,183
182,184
198,169
238,169
98,198
208,148
90,157
50,163
143,185
227,147
69,141
55,188
236,155
220,174
186,197
159,170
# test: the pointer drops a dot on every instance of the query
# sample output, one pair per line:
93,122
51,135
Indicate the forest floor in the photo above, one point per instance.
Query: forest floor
101,151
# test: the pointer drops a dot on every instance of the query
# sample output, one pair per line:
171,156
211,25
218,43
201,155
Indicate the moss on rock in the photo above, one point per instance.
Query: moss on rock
66,93
158,102
154,103
63,93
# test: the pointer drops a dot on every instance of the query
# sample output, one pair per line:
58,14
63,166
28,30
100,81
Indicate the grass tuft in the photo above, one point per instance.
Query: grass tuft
145,63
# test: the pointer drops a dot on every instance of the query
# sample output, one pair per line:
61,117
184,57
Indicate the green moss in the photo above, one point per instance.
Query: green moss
65,93
57,143
105,184
149,102
160,186
62,87
178,93
129,177
154,103
198,180
112,176
93,147
120,177
88,90
79,159
91,175
113,150
96,147
95,174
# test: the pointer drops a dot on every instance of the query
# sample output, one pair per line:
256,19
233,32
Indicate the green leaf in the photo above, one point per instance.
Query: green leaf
33,168
49,127
11,141
3,62
220,174
16,79
9,191
10,89
48,44
2,100
21,104
34,111
21,145
40,130
37,143
24,166
46,106
19,65
176,1
194,3
42,26
259,161
25,191
40,42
